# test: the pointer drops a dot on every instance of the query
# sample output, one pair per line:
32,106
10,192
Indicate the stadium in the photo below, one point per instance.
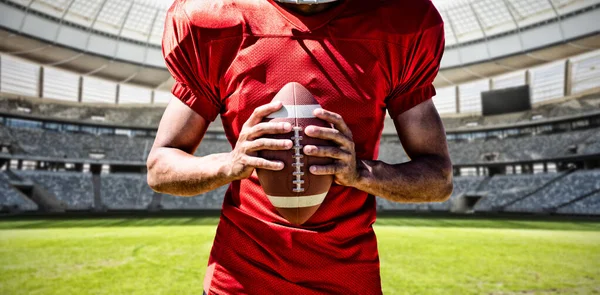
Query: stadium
83,87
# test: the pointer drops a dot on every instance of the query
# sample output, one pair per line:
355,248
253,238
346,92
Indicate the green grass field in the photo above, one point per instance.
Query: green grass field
418,256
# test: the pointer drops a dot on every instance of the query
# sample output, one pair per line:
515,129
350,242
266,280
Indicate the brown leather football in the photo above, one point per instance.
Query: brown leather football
294,191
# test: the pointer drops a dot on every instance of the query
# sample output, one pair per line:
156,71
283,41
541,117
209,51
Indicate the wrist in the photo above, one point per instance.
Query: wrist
364,174
226,170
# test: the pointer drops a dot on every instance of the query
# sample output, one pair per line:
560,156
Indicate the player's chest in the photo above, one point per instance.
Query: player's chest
346,77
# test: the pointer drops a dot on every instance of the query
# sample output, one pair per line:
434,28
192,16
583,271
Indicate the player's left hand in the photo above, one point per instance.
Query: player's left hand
344,167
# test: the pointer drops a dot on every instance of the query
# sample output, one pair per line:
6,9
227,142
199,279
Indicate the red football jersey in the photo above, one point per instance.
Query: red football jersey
358,59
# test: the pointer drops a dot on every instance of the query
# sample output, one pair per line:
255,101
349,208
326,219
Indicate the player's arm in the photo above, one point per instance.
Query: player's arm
428,175
426,178
173,168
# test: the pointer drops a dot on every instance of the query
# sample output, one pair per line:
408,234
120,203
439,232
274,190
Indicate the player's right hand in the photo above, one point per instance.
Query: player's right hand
243,158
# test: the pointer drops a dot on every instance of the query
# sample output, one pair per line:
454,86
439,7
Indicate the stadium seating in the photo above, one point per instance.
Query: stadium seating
11,199
99,111
142,116
501,189
121,191
211,200
559,192
131,116
525,148
54,144
543,146
585,105
391,151
130,191
591,145
461,186
125,191
73,189
4,134
590,205
149,116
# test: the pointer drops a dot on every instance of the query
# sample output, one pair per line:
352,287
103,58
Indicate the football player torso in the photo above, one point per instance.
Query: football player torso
357,59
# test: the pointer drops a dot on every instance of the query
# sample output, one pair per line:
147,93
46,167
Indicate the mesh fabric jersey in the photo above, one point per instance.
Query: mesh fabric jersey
359,59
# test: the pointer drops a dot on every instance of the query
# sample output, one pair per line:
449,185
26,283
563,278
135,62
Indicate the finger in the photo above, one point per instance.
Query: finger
335,119
324,169
262,111
269,144
261,129
328,134
327,152
261,163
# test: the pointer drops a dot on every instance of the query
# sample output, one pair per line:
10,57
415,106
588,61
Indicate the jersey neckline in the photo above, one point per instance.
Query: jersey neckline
310,22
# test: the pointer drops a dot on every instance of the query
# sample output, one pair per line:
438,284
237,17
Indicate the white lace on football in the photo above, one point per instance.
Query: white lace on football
295,112
298,173
297,202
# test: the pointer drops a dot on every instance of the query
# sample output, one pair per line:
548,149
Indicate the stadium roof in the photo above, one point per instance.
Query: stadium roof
120,40
466,20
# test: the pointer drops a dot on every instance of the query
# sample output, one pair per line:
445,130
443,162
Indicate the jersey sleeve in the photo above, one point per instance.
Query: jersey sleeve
421,66
183,53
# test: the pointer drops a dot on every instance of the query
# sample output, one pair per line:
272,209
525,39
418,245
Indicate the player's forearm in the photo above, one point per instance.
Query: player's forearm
176,172
424,179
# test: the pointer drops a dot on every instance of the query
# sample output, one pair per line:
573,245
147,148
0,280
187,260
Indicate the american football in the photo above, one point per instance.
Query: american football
294,191
203,147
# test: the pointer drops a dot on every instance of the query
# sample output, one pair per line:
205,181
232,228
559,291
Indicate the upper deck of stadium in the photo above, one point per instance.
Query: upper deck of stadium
120,39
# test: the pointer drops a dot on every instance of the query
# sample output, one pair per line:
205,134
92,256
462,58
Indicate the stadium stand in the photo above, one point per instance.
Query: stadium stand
501,189
590,205
559,192
11,199
461,185
211,200
73,189
518,193
125,191
143,116
391,151
588,104
57,144
591,145
569,108
46,143
524,148
4,134
139,116
149,116
121,191
70,114
527,193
